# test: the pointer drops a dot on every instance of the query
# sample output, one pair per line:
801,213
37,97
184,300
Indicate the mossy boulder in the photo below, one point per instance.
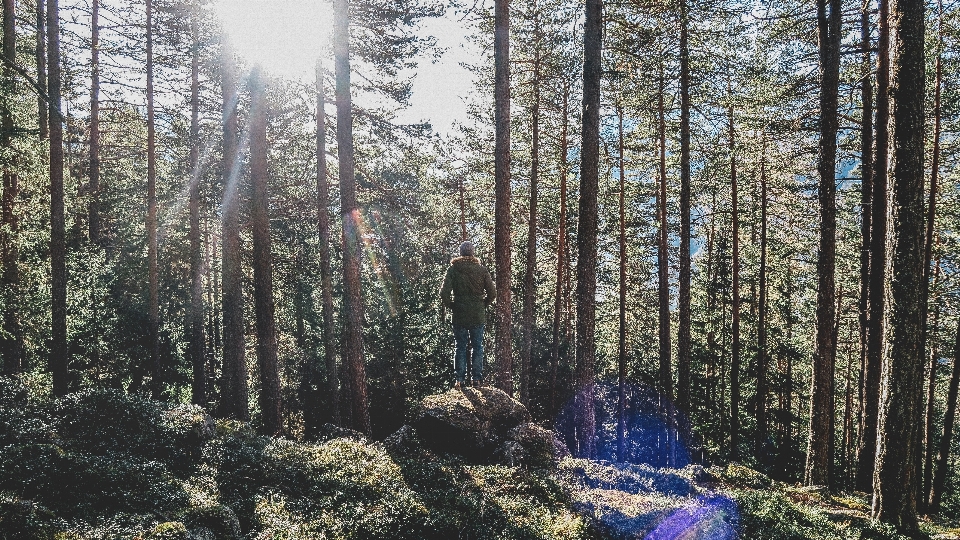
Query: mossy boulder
481,425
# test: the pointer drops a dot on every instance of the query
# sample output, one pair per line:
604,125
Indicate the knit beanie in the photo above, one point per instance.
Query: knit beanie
467,249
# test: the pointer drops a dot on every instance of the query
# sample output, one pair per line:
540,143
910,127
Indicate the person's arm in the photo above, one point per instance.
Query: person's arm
446,291
490,287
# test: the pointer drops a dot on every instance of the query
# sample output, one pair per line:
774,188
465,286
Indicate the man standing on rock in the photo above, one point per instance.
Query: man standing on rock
467,290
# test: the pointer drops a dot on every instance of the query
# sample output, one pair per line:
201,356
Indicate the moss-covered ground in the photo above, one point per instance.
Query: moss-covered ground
105,465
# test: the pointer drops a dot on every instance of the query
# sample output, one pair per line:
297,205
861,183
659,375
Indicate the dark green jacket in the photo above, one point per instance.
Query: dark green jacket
468,290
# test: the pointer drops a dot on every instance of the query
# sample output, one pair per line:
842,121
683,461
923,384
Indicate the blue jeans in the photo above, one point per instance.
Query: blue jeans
472,337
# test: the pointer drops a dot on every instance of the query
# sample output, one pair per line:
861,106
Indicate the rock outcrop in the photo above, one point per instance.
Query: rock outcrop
482,425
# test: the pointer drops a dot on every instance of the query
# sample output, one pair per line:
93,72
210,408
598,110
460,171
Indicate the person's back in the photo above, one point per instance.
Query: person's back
467,290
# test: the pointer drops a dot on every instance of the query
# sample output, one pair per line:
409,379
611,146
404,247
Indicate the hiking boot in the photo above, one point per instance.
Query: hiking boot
457,385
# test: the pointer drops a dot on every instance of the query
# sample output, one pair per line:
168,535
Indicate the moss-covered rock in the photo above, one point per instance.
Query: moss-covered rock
469,422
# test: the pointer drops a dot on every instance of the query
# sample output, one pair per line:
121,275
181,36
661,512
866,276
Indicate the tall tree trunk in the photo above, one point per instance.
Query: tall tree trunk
663,283
949,417
762,359
529,284
196,248
59,354
867,447
41,59
822,406
234,392
683,322
350,216
561,252
926,448
735,303
153,332
587,228
502,242
323,226
11,338
928,425
262,259
663,268
622,304
895,482
866,195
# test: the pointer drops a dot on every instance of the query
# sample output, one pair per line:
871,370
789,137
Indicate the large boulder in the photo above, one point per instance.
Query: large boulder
483,425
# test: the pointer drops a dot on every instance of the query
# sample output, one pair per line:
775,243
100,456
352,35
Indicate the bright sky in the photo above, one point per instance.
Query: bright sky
286,36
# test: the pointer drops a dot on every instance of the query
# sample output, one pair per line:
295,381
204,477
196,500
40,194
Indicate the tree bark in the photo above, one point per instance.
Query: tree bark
323,226
866,203
949,417
234,393
196,343
895,482
926,448
763,388
11,339
59,354
867,447
663,268
928,425
683,301
529,283
735,300
561,252
351,219
502,242
822,407
587,229
262,259
622,304
153,332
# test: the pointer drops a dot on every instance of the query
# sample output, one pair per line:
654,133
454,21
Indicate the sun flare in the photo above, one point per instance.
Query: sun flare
284,36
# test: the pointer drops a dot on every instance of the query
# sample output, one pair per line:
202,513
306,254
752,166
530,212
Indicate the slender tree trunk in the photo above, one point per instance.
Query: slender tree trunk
326,287
529,284
683,323
763,387
847,436
867,447
587,228
735,304
351,218
561,253
234,392
926,448
11,338
949,417
822,407
153,331
928,425
663,283
196,343
41,55
59,354
895,482
663,268
93,210
622,329
502,241
866,201
262,259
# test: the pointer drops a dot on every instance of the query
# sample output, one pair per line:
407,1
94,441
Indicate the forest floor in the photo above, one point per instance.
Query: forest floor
105,465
